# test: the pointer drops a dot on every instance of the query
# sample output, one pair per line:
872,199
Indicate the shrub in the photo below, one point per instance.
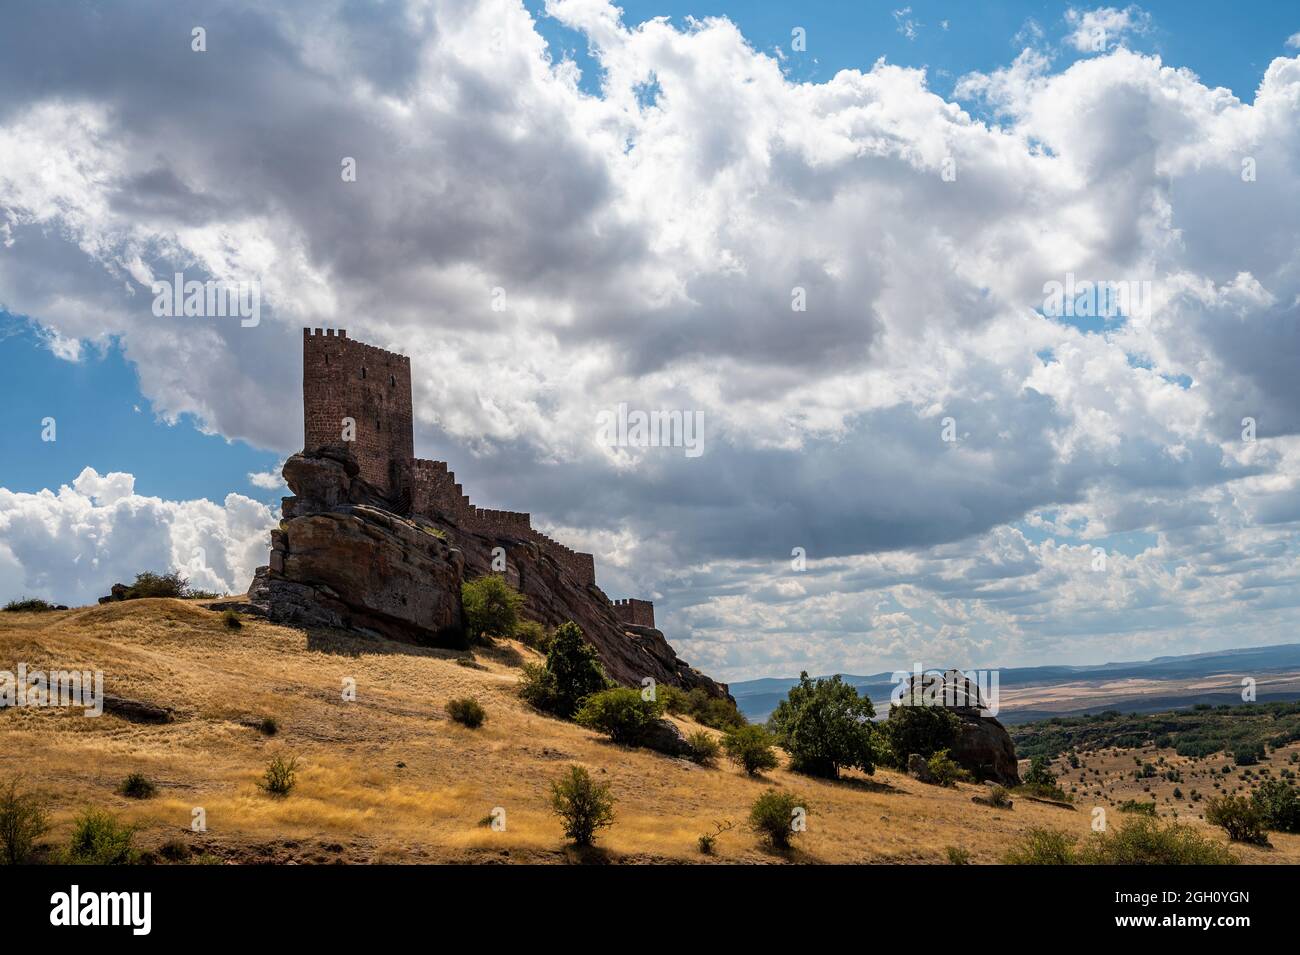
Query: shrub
137,786
467,711
825,725
916,728
231,620
1240,817
1139,808
1142,840
943,771
704,747
583,804
491,607
1042,847
99,839
1040,773
773,817
174,850
571,674
157,585
708,840
1278,804
715,712
621,714
23,820
958,855
532,634
268,726
999,797
30,605
750,747
281,775
1248,754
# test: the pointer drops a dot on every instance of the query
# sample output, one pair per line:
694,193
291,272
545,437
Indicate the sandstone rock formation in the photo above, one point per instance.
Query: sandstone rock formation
340,558
983,745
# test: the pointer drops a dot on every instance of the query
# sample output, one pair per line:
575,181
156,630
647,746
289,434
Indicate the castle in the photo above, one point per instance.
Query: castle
361,394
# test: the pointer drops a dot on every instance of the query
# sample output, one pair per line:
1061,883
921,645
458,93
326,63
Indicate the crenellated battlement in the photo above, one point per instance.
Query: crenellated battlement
640,613
347,379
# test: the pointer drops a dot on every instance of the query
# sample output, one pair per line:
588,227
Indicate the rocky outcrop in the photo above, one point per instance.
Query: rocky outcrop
344,557
984,748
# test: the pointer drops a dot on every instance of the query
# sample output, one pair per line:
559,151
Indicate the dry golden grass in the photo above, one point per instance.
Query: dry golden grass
389,778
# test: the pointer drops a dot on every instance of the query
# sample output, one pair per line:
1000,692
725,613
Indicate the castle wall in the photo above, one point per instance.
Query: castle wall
640,613
342,378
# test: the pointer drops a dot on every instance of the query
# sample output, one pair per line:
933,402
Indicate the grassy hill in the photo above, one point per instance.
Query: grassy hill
389,778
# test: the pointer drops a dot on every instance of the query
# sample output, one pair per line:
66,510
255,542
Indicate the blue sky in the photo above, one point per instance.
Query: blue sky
649,221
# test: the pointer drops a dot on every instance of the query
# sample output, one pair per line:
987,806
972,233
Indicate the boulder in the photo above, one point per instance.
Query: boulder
985,749
664,737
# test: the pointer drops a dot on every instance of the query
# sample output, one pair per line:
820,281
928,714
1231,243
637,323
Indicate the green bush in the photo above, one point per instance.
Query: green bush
467,711
1138,808
99,839
1278,804
30,605
945,772
621,713
281,775
772,816
491,607
999,797
704,747
1240,817
1040,846
231,620
571,674
268,726
583,804
1142,840
750,747
137,786
714,712
958,855
1040,773
23,820
158,585
825,726
917,728
532,634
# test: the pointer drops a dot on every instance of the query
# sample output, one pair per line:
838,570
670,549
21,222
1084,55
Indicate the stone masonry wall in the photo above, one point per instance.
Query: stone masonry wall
342,378
640,613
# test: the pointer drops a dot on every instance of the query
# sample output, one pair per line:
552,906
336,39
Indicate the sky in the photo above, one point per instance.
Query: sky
830,235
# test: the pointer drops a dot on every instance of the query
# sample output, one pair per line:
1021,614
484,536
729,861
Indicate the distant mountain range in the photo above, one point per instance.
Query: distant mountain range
1026,692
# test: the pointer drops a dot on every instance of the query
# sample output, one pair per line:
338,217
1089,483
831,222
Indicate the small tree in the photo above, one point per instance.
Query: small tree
750,747
583,805
917,728
1239,817
1040,773
621,714
491,607
1278,805
23,820
825,726
777,817
572,673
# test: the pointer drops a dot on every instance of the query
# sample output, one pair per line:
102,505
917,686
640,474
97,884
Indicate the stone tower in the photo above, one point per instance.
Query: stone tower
346,379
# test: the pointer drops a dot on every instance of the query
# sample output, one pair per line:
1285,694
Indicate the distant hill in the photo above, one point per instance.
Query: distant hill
757,698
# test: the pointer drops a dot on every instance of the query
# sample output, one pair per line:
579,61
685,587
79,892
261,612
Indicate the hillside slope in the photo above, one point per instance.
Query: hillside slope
388,778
